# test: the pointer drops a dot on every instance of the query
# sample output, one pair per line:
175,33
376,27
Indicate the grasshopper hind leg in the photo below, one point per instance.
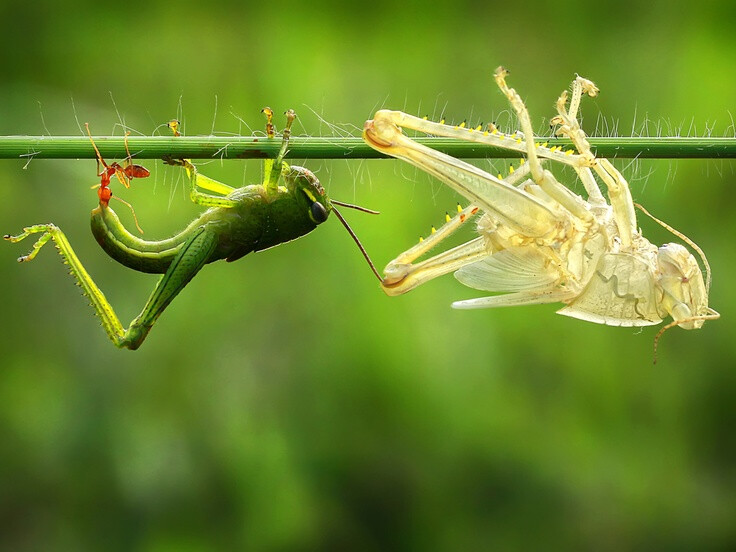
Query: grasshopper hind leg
194,254
108,318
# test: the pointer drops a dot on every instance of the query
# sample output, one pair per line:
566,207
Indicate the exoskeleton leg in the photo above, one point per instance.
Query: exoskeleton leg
570,201
190,259
400,278
571,128
516,299
490,137
512,206
401,275
618,189
431,241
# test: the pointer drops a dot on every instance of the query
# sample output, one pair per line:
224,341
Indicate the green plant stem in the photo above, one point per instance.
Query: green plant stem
254,147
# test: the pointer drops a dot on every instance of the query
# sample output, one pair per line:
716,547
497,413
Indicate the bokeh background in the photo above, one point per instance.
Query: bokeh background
283,402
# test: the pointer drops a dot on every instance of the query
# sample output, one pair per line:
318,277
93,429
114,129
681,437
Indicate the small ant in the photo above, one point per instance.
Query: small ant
124,173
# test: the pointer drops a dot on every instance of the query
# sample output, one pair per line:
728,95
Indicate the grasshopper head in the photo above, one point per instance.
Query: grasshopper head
685,293
307,190
309,193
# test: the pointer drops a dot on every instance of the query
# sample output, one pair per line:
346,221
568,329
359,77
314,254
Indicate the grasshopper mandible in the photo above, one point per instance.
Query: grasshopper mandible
239,221
539,242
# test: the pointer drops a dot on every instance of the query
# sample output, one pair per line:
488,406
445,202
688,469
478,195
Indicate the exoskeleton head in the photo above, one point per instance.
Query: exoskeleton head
685,292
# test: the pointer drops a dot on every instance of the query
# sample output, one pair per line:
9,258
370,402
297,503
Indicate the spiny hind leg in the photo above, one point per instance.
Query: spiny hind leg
437,235
194,254
104,310
192,257
402,275
516,299
49,230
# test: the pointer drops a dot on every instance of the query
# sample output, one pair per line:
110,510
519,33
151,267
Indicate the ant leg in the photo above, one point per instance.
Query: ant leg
135,217
104,193
99,157
129,170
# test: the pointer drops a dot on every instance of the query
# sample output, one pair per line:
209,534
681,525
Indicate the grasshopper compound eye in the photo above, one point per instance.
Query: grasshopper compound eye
319,213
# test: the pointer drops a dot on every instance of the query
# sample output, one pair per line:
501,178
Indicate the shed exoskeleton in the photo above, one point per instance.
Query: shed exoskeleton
538,241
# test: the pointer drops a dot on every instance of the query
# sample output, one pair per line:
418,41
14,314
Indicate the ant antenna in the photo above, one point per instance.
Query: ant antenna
355,238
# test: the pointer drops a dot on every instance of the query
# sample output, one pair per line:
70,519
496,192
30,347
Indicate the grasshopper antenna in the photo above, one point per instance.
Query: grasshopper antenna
356,207
350,231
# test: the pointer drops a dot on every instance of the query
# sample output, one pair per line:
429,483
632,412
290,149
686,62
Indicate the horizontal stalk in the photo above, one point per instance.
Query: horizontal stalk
257,147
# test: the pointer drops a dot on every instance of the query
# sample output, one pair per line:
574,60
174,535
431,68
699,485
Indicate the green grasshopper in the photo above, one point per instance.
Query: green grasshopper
238,221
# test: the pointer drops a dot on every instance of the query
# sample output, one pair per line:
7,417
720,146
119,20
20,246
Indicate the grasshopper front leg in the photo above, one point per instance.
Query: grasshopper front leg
273,168
192,256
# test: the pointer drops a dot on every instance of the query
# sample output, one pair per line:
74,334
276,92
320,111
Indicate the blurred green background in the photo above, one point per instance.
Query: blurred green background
283,402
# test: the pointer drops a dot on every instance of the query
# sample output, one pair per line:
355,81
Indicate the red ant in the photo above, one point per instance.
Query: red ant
124,173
